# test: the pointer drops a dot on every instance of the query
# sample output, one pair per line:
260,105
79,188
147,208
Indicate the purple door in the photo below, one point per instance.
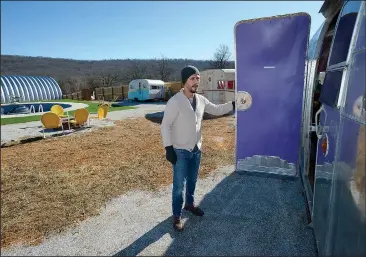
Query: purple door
270,65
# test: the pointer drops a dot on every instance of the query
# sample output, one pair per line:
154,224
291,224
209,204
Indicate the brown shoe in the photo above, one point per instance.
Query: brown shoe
195,210
177,223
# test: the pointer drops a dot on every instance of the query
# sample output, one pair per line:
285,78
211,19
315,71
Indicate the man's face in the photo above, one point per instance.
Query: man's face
192,83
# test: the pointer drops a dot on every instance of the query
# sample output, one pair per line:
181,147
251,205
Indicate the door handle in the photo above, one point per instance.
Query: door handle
318,128
312,128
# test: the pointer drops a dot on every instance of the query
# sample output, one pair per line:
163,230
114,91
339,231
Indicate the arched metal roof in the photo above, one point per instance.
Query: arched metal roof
29,88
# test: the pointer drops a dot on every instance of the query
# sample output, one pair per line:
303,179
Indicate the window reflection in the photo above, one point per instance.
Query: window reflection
344,33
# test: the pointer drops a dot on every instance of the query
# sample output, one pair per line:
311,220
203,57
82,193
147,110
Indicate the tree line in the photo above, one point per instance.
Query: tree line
74,75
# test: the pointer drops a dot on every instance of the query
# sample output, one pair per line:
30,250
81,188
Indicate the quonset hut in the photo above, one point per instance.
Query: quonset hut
29,88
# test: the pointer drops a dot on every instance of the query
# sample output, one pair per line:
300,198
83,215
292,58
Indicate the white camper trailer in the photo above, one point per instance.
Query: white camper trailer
218,85
146,89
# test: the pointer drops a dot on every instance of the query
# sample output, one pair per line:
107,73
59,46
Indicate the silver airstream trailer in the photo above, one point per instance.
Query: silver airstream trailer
301,114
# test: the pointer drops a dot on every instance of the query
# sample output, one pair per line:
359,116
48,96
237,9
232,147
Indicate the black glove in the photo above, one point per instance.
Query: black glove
171,156
233,102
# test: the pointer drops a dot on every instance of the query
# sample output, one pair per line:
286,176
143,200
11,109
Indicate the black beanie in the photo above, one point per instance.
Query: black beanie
187,72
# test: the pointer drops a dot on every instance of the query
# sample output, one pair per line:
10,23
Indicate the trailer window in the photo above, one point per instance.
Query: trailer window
354,104
342,39
362,32
220,84
330,89
154,87
231,84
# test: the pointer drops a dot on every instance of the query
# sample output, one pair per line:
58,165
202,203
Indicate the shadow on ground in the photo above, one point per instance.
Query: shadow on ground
244,215
49,133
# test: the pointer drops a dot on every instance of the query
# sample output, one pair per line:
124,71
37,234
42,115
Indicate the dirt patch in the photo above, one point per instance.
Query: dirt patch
52,184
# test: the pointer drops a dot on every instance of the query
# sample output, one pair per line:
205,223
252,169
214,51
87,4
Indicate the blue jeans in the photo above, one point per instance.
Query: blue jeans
185,169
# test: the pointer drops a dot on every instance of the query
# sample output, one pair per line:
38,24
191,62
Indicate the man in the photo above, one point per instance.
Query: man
181,135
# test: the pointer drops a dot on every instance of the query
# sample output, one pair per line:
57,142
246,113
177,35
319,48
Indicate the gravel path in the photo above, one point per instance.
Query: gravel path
34,129
244,215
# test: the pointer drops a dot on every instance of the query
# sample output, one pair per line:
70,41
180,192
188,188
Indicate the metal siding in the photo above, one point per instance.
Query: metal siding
348,198
13,86
32,86
39,87
50,88
25,96
339,222
2,93
348,203
54,88
57,87
18,87
330,119
29,88
362,31
8,85
7,93
45,86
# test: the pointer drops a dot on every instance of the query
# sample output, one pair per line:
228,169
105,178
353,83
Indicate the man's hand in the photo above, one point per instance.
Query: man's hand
171,156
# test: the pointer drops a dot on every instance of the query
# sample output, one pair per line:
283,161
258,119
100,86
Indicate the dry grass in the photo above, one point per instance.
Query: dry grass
49,185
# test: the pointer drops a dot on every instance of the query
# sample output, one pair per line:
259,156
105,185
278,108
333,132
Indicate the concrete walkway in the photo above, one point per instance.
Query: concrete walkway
244,215
14,132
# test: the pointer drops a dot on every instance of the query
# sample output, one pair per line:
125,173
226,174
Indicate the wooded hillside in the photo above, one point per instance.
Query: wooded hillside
73,75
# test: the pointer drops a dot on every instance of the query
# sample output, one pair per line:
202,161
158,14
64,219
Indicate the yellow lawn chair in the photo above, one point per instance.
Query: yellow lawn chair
57,109
81,116
51,120
101,113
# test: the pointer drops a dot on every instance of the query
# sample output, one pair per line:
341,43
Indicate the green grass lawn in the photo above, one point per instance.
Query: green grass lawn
92,108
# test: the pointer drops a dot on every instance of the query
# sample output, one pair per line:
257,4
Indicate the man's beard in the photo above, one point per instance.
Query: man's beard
193,90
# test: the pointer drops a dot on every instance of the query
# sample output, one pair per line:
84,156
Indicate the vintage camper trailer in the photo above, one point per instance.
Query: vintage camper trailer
217,85
303,116
146,89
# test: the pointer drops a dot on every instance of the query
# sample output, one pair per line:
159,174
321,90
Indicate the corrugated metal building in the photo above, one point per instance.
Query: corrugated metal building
29,88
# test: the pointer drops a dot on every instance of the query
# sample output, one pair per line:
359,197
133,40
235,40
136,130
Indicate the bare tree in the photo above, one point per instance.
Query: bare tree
162,69
136,70
221,57
70,85
109,78
65,87
92,82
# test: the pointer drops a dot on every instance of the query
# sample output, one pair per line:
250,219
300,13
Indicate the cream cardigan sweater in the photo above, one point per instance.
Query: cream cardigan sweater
182,126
